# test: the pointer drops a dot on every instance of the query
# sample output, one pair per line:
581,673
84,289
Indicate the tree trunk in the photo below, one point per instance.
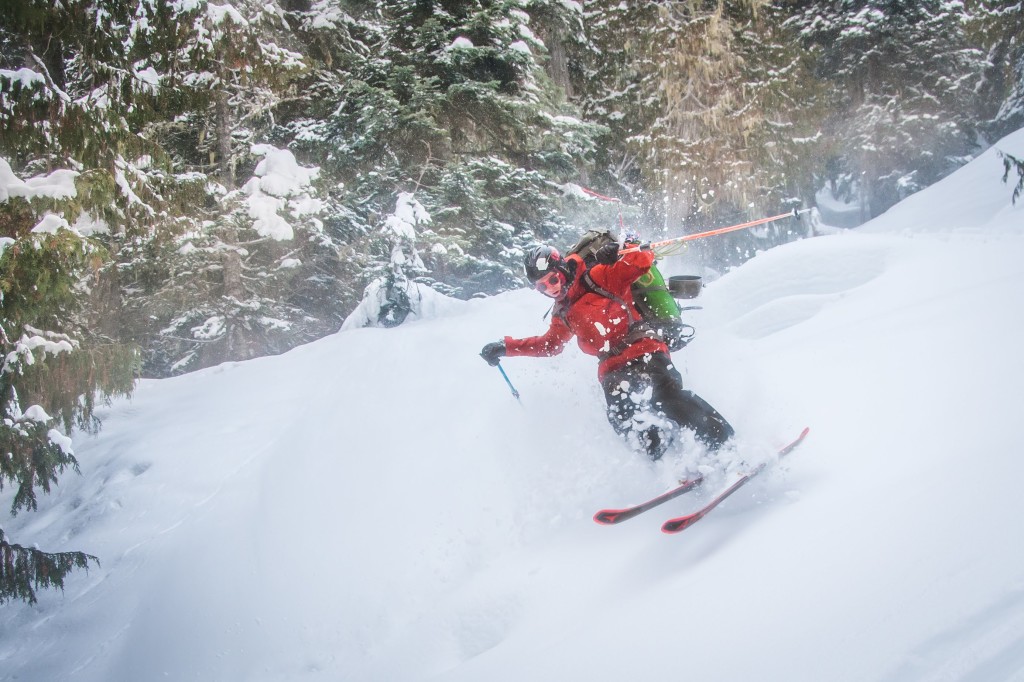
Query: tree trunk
232,264
227,170
557,66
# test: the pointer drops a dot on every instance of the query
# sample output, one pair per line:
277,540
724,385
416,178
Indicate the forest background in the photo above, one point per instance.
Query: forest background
185,182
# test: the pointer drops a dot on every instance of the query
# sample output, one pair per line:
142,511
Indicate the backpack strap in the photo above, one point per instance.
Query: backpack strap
588,283
637,332
638,328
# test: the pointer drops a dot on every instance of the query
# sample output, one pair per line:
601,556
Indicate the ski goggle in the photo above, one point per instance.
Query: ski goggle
551,284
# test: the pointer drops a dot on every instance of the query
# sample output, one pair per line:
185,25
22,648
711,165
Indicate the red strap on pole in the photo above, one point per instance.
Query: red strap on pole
599,196
594,194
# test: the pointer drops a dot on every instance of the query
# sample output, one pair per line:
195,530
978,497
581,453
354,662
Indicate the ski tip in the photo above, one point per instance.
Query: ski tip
799,439
680,524
607,517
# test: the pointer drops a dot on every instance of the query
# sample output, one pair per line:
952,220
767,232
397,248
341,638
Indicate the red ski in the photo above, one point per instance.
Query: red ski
608,517
681,523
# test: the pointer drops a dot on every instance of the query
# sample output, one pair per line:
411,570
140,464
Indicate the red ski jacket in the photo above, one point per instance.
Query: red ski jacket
600,324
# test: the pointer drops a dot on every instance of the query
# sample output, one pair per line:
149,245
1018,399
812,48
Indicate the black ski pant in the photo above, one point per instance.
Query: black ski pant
649,384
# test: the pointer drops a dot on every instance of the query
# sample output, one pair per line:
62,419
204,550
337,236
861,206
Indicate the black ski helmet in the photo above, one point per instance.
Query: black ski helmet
540,260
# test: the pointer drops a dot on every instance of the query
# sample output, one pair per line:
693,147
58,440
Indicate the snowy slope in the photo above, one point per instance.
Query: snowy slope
377,506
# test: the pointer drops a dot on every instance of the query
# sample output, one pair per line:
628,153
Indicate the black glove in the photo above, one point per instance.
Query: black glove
493,352
607,254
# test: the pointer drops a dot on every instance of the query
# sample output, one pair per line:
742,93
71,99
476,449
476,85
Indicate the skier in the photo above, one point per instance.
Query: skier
596,306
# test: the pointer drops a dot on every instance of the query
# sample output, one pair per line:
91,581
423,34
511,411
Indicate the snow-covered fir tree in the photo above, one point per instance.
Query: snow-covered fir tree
55,367
394,295
998,29
905,77
452,103
712,114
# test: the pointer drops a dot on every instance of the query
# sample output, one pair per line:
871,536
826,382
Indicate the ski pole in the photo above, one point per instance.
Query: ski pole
654,246
509,382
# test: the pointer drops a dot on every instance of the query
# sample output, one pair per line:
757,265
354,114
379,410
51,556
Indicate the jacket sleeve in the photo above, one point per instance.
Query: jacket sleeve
619,276
550,343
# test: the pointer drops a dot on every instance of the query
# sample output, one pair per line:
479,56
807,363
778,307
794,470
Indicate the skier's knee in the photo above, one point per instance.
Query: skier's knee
714,431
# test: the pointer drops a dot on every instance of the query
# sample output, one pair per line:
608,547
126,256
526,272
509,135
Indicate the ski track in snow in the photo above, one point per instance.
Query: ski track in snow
984,646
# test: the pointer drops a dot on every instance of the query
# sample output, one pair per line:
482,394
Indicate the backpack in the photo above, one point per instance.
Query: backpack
658,310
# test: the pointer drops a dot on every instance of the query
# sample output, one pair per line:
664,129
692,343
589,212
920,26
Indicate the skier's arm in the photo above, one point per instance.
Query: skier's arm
621,274
550,343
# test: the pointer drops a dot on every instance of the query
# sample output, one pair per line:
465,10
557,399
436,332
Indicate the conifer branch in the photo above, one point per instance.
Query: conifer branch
49,79
1010,163
24,570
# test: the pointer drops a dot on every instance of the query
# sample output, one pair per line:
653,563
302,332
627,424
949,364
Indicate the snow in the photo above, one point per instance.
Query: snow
63,442
836,212
212,328
263,209
26,345
409,210
25,77
185,6
461,43
150,79
37,414
377,506
221,13
278,184
87,225
520,46
122,168
395,288
425,303
279,174
51,223
59,184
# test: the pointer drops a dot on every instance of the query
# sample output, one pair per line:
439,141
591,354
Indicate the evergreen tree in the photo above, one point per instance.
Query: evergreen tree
243,265
254,280
54,367
451,103
712,113
78,82
998,29
905,76
68,88
240,64
393,295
